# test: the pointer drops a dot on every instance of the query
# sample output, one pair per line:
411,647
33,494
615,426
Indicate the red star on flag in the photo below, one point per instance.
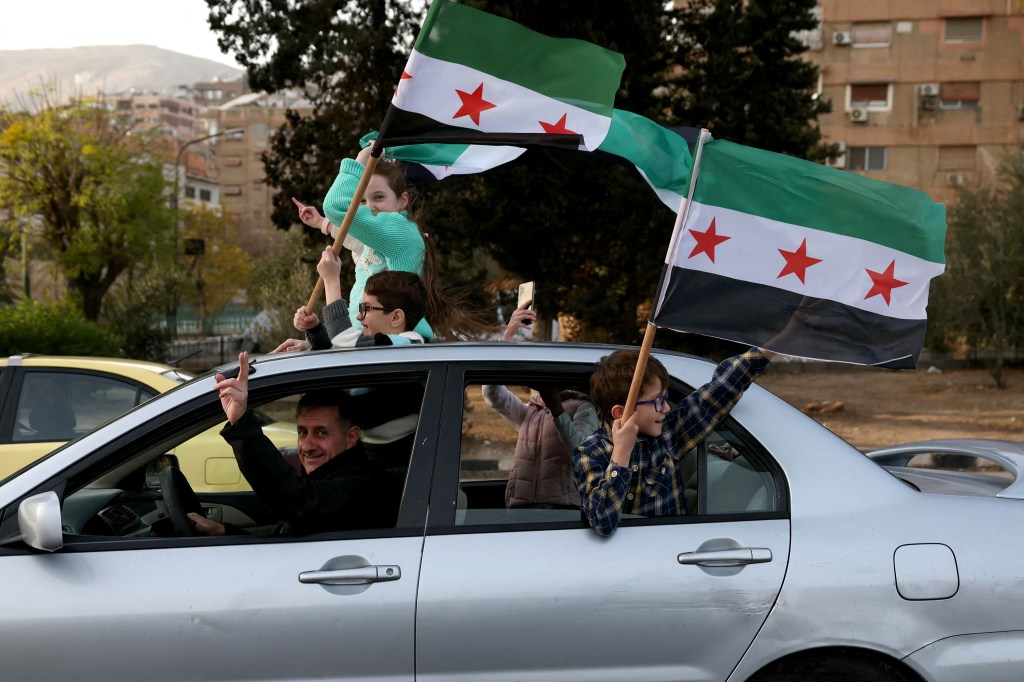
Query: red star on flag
473,103
884,282
707,241
405,74
557,128
797,262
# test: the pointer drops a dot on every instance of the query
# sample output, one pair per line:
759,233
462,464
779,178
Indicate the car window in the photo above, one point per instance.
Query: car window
514,466
191,464
54,406
737,478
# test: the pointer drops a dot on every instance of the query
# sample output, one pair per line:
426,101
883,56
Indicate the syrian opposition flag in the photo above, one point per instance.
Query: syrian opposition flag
477,79
661,155
802,259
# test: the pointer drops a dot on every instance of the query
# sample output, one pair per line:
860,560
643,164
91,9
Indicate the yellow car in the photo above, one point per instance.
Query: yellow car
46,400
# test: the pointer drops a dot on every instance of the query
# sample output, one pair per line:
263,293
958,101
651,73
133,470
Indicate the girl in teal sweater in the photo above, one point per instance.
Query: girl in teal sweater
383,236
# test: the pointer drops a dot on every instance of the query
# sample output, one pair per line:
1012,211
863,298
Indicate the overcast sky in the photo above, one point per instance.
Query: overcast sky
178,25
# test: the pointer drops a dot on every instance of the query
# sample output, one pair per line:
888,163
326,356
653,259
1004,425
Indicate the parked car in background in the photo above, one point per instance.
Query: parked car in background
982,467
46,400
800,558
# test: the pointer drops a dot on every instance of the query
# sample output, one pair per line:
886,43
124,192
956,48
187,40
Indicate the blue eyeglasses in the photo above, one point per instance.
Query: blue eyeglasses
658,401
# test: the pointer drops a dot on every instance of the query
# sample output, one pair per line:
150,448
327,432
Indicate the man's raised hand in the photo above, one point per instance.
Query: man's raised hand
234,392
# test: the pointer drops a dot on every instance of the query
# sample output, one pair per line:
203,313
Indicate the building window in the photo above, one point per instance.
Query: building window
964,30
872,34
960,157
190,192
959,95
866,158
870,95
811,39
233,190
258,130
205,195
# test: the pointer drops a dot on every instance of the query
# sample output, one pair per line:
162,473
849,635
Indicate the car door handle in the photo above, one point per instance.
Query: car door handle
727,557
352,576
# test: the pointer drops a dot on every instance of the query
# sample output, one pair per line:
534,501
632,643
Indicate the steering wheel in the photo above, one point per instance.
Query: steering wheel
180,499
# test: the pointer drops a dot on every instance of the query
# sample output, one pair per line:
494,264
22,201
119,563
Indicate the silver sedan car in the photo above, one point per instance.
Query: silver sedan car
801,558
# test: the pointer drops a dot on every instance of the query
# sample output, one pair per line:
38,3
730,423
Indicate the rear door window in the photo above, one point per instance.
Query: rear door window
56,406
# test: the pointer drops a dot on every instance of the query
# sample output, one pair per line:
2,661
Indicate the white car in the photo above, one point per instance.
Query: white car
802,559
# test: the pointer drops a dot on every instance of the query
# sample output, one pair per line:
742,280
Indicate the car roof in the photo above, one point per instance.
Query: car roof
153,374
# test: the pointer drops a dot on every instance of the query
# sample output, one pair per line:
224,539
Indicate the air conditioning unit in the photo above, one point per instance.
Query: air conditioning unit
840,160
955,179
859,114
929,89
842,38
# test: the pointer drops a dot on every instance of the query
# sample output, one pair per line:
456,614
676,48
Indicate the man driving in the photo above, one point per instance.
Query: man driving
338,488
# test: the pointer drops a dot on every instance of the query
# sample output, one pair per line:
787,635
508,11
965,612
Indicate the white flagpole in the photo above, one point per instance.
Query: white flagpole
681,216
670,258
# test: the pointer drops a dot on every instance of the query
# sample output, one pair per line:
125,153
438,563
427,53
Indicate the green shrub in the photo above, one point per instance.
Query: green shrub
52,329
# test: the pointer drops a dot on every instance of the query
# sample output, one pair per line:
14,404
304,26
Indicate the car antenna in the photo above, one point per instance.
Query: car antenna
174,363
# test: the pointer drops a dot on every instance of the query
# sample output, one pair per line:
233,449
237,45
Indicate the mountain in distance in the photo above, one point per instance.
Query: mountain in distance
104,69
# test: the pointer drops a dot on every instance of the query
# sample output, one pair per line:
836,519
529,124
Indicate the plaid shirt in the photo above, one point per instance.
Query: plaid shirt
654,482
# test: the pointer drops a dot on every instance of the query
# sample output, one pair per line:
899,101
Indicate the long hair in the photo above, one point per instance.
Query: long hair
449,311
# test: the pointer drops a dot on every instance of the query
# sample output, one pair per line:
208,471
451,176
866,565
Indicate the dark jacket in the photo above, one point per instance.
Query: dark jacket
345,493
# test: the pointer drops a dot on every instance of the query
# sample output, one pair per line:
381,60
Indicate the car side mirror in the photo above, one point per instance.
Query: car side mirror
39,522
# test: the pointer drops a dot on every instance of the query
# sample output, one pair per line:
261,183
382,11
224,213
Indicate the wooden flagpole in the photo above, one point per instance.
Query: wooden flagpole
346,222
638,373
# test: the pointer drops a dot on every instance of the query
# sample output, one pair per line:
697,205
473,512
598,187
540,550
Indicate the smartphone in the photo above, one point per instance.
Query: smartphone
527,290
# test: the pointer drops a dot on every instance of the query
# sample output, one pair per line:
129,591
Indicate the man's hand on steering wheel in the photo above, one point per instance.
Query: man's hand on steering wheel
205,526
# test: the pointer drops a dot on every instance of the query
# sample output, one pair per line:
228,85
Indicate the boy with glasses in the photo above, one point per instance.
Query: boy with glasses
636,468
393,303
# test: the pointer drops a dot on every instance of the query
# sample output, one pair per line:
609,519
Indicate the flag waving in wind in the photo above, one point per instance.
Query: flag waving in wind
661,155
474,78
802,259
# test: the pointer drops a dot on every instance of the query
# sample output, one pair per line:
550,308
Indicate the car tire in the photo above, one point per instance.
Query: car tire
846,666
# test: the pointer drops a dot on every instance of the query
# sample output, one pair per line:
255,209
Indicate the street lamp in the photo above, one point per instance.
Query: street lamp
177,172
174,197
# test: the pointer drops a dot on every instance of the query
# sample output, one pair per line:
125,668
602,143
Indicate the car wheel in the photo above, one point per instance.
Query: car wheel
847,666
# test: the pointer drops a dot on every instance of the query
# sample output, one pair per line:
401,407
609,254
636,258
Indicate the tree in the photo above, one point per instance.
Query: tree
93,184
219,268
741,75
588,229
980,298
344,55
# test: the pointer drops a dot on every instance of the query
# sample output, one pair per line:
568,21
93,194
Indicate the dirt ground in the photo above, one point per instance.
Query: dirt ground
883,407
869,408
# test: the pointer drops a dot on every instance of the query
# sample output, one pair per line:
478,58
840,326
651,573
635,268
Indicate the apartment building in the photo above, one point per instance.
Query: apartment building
173,116
925,93
244,192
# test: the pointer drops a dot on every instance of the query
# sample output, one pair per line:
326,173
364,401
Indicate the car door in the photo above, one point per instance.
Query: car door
535,594
46,406
330,606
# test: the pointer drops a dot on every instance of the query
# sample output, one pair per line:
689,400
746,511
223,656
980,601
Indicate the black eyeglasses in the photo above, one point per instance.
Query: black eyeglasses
366,307
658,401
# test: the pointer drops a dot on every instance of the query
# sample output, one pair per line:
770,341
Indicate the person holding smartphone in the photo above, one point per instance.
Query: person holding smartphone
550,425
